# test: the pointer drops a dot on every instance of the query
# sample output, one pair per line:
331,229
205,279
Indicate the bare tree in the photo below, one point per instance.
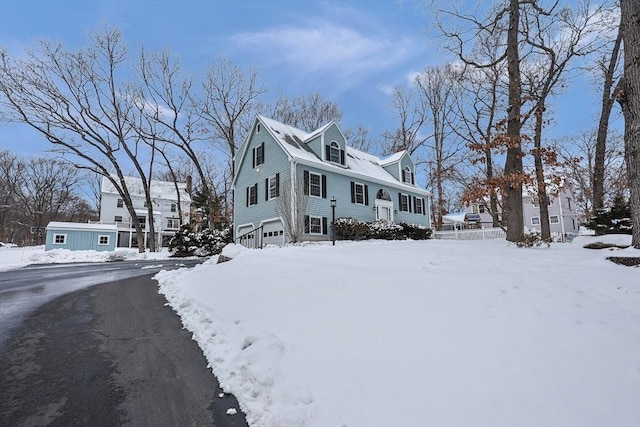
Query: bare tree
412,117
439,89
306,112
629,99
292,207
556,38
76,100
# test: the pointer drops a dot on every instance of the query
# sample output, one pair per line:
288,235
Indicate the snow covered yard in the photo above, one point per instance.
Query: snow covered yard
431,333
16,257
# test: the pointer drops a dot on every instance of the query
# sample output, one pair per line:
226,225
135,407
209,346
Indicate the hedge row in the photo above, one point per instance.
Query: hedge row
353,229
187,242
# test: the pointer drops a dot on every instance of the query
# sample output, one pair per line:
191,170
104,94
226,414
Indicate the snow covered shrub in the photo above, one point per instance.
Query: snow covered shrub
187,242
385,230
532,239
416,231
613,220
351,229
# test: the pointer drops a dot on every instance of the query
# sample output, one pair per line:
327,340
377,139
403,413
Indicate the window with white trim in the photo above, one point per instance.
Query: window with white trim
174,207
173,223
273,187
252,195
117,218
404,203
315,184
334,151
59,239
258,155
143,222
103,239
535,220
315,225
358,191
407,176
554,219
418,205
120,203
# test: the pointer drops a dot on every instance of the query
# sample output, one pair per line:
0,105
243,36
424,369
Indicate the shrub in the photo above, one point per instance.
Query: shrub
187,242
613,220
353,229
532,239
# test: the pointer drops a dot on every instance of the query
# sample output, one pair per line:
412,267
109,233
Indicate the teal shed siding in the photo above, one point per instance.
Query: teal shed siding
78,240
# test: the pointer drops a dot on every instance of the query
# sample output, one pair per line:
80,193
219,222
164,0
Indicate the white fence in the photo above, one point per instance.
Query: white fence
479,234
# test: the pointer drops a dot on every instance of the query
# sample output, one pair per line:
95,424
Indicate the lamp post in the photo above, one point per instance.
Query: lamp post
333,220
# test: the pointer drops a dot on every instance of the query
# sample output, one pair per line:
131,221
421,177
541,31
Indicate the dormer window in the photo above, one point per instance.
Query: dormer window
334,154
407,176
258,128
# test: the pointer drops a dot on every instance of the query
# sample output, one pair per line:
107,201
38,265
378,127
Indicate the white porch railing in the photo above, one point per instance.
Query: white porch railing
478,234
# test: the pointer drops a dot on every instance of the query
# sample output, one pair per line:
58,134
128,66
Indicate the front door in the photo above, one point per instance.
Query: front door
384,210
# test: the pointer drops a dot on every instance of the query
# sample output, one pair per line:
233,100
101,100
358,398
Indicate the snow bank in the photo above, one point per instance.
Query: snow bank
437,333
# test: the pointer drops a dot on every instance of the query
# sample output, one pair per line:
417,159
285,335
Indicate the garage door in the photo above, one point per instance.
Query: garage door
273,233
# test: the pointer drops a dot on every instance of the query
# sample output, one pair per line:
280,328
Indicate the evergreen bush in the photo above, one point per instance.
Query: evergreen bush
188,242
353,229
613,220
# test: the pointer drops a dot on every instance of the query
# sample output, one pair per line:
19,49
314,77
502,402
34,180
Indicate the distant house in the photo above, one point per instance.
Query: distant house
80,236
278,165
562,212
166,212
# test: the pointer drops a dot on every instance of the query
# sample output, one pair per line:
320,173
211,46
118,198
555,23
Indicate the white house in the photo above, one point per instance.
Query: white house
167,205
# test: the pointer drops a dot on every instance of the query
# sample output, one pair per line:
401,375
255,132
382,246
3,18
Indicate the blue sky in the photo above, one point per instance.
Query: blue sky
351,51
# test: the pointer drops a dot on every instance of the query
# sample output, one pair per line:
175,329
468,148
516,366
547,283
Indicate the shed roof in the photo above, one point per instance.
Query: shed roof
81,226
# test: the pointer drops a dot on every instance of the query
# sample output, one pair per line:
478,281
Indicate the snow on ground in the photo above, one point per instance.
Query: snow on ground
16,257
431,333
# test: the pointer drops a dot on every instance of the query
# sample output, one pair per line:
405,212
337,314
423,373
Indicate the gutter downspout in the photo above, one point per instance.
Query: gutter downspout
561,218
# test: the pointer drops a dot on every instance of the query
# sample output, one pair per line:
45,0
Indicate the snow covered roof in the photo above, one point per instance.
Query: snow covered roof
81,226
393,158
165,190
358,163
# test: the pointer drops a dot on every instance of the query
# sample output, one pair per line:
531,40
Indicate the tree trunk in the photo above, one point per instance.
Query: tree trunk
629,99
513,163
608,98
543,197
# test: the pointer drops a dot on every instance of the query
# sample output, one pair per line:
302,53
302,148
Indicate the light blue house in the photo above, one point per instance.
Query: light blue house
286,180
80,236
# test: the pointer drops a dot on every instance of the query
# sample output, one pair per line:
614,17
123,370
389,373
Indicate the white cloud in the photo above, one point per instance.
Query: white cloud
336,52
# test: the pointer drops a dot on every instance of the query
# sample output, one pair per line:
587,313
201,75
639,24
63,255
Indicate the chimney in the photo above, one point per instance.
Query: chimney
189,184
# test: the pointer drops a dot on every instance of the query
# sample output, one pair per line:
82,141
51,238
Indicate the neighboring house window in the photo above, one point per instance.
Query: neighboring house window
174,207
252,195
142,220
403,200
535,220
359,193
173,223
120,203
258,128
407,175
482,208
554,219
315,184
272,187
315,224
103,240
117,218
569,202
59,239
258,155
145,204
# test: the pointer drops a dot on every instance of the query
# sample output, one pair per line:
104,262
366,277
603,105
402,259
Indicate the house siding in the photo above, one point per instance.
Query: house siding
276,161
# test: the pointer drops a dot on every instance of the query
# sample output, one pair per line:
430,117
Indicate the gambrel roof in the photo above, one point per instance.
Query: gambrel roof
358,163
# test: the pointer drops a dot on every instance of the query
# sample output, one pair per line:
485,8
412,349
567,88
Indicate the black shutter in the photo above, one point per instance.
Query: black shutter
424,207
366,195
415,203
263,153
409,202
413,181
266,189
324,225
353,192
342,157
324,186
327,152
256,193
247,196
306,224
253,162
277,185
305,175
400,201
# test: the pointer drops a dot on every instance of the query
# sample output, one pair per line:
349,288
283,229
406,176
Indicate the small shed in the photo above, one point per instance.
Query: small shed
78,236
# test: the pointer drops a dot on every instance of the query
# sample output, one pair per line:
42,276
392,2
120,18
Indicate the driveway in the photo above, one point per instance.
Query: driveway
110,354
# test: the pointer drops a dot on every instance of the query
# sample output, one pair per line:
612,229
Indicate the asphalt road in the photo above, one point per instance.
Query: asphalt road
111,354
